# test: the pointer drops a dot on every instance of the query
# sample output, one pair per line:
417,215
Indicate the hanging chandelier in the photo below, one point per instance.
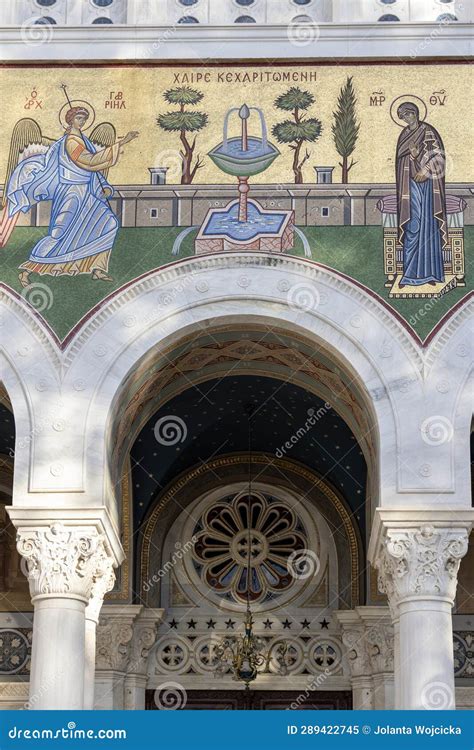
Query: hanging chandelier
248,654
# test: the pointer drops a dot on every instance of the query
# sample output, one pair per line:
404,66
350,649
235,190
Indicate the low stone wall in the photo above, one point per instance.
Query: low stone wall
314,205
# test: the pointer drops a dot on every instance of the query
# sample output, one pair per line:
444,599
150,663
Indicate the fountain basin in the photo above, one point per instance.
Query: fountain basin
265,230
233,160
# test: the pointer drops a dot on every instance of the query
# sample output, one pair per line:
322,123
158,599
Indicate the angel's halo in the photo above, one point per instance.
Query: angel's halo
77,103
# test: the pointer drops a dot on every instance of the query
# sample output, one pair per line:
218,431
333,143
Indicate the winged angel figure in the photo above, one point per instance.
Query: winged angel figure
72,173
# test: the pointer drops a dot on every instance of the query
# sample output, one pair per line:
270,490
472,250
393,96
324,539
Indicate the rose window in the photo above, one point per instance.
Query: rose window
225,550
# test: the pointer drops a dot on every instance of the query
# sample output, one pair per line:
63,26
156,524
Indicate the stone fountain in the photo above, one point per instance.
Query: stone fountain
244,224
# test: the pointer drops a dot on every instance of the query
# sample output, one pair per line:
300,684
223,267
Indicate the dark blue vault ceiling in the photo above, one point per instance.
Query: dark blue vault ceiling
216,424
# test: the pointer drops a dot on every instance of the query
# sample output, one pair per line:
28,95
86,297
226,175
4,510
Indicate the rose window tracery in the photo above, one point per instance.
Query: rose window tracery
225,549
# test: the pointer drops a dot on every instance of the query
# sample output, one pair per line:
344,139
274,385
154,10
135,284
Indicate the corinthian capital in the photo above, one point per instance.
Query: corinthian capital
355,641
422,561
145,631
60,560
102,581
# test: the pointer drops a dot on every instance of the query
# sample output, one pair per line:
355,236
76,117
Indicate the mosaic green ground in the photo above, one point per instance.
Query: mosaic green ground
356,251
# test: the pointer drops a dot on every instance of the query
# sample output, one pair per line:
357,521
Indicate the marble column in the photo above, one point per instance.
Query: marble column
145,631
103,582
418,566
61,563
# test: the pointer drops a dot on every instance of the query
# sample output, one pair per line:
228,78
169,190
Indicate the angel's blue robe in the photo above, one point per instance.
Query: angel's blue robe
82,223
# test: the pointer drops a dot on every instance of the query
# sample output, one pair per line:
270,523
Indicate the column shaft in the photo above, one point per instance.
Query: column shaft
89,664
426,655
57,665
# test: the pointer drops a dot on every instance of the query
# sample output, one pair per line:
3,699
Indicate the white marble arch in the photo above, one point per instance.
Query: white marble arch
29,366
71,393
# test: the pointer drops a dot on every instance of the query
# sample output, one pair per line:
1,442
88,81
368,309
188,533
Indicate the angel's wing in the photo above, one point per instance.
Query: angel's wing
103,135
27,140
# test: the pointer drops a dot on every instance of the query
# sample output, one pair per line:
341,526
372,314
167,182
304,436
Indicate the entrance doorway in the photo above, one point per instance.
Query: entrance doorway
261,700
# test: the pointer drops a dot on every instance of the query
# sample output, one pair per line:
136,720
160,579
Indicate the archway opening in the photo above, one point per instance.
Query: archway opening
180,451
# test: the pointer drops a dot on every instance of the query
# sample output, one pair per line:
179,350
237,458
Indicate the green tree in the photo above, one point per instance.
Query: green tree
301,129
185,121
345,129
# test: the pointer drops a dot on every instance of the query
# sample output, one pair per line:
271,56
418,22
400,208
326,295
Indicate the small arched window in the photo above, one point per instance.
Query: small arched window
388,17
188,19
46,3
102,3
188,3
45,20
245,3
245,19
447,17
102,19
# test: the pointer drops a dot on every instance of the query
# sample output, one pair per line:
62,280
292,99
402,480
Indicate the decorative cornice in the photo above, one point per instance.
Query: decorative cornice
262,42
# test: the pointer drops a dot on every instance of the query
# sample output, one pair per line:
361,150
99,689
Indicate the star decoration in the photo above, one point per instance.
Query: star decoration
192,624
324,624
268,624
287,625
230,624
306,623
173,624
211,624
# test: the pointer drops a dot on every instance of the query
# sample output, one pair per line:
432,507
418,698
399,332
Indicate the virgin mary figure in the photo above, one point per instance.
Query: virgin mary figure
83,226
421,199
